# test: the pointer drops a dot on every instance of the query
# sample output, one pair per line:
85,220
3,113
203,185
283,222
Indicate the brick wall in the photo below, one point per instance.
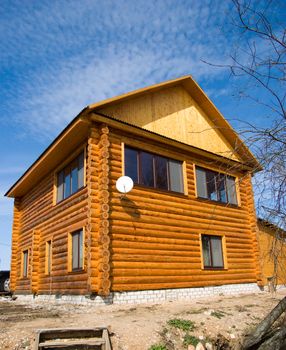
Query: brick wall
149,296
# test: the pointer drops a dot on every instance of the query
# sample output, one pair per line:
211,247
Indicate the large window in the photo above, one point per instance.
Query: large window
212,251
25,263
215,186
77,250
71,178
152,170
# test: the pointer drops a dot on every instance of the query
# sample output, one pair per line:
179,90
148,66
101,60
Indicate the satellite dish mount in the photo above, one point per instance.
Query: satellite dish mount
124,185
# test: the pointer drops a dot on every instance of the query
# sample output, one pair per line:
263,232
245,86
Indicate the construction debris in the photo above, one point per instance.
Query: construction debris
73,338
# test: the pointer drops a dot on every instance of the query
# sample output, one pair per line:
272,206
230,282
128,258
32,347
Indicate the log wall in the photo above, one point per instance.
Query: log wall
155,235
93,219
148,240
272,255
37,219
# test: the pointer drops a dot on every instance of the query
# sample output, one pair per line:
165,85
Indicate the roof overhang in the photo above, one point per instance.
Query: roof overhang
147,134
75,133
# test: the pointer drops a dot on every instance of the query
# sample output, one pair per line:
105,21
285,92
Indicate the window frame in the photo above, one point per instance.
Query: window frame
25,263
223,252
68,162
154,157
70,250
217,175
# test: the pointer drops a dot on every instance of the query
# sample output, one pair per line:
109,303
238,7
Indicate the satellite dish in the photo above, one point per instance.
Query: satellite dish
124,184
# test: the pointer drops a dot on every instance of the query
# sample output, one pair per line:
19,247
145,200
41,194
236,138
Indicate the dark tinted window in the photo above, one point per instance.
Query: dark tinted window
221,188
211,186
146,169
153,170
71,178
161,165
74,178
131,164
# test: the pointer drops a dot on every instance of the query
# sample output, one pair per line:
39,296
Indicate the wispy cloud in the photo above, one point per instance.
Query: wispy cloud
11,170
66,55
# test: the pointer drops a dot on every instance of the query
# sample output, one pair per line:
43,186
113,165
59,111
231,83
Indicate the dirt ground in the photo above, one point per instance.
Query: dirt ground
137,327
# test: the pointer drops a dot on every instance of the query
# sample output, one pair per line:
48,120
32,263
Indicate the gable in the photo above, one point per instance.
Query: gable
172,112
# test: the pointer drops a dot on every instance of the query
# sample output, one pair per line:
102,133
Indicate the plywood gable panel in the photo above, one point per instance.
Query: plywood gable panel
172,112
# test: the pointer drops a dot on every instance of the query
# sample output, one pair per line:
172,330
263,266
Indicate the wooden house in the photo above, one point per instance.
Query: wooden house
272,247
188,222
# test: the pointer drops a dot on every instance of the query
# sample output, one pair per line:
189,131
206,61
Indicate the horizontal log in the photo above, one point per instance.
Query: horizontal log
49,216
161,212
178,223
195,273
169,285
165,256
66,286
154,246
157,230
152,255
161,236
79,277
191,263
152,199
177,279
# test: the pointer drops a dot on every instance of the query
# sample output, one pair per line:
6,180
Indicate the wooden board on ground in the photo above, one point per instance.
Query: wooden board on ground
73,338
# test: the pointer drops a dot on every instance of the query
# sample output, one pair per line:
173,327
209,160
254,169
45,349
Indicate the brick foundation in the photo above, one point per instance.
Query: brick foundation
149,296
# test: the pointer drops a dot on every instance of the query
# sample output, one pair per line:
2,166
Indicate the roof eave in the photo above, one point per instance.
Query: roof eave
62,139
122,125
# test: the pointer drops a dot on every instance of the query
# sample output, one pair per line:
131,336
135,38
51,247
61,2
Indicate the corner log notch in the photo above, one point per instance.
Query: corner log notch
91,239
103,237
35,261
253,226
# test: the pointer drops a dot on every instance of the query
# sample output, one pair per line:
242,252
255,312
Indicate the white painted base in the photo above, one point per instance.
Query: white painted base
148,296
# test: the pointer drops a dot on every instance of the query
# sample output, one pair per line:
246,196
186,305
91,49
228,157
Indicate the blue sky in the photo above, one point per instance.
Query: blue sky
58,56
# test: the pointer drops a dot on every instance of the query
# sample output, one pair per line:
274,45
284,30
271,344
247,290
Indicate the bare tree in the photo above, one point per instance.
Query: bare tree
259,64
261,60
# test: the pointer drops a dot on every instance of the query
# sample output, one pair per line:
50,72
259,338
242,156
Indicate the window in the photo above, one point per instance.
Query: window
77,250
71,178
25,261
152,170
48,261
212,251
215,186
